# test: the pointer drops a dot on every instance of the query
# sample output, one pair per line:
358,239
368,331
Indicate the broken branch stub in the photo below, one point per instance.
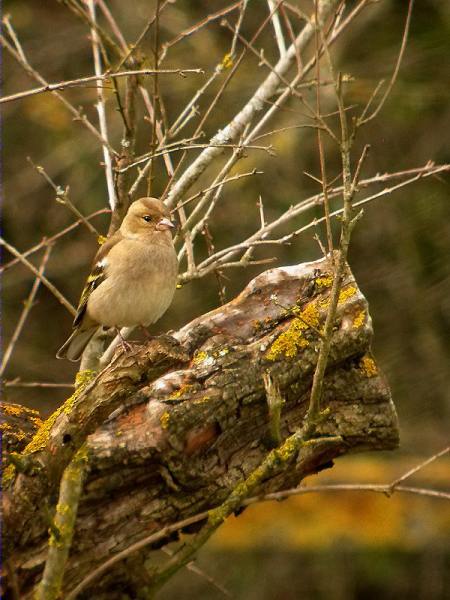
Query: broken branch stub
183,439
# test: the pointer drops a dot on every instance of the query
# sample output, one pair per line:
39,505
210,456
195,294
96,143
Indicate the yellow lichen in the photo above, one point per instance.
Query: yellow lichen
199,357
5,427
227,61
359,319
82,378
9,473
346,293
101,239
184,389
40,438
202,399
292,340
325,281
309,315
164,420
14,410
37,421
368,366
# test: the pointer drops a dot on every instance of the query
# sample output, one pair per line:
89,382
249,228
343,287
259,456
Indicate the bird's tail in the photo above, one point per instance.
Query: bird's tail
74,347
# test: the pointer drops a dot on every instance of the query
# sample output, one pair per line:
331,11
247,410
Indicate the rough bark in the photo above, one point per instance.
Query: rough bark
191,420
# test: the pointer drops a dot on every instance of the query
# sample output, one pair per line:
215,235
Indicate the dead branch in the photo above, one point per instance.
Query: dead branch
191,420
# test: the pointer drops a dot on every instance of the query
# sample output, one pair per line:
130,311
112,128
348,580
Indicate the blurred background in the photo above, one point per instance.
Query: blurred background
339,545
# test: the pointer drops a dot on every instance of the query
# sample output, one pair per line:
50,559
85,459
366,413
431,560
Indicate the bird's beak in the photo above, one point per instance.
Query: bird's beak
164,224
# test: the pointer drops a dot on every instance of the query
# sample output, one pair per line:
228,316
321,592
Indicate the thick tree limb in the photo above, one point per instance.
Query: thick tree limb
191,421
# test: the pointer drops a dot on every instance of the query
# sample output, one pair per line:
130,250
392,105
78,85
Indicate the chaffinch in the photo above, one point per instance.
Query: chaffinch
133,278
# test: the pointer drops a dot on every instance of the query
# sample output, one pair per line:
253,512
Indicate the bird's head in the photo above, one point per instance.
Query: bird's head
145,217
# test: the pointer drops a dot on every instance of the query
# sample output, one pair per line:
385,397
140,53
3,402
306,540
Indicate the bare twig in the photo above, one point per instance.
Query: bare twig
40,276
100,106
279,36
28,304
394,484
20,57
194,28
364,119
53,238
216,185
62,196
237,125
143,33
17,383
194,569
258,238
81,81
326,203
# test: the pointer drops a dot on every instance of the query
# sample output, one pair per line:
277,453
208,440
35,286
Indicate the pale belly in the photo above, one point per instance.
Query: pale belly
133,301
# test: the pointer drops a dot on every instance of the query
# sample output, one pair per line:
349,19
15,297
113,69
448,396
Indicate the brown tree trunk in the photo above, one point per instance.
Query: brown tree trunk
175,425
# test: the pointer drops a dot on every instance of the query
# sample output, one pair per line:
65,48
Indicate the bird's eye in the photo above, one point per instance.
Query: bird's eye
147,218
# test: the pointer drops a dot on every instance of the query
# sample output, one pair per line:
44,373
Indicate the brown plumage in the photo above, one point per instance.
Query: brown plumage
133,277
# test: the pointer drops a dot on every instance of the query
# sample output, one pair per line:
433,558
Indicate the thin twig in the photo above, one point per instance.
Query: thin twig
62,196
53,238
194,569
394,484
199,25
153,140
20,57
40,276
62,85
28,305
363,119
100,106
237,125
35,384
323,172
277,26
258,238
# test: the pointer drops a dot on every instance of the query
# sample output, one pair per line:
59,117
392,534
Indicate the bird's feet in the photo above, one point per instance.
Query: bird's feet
126,346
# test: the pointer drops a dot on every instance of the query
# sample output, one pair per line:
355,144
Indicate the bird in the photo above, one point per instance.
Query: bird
133,277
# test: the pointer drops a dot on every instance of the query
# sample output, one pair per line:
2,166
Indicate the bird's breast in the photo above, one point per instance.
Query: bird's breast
139,286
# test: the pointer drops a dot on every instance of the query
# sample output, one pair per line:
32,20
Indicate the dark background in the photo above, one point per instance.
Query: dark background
399,255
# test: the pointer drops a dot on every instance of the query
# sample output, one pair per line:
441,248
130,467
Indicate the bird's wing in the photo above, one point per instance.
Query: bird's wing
96,276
